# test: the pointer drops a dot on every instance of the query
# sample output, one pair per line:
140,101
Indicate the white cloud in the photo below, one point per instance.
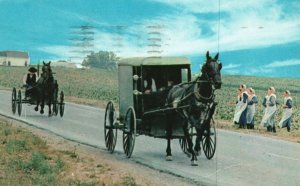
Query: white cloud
231,66
102,41
285,63
258,70
196,6
243,25
232,72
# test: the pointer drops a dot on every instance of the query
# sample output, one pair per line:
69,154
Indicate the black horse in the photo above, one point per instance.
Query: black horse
45,88
196,95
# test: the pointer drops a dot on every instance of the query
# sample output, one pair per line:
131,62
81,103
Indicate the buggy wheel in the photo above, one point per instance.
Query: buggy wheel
61,104
129,132
110,131
183,142
19,102
55,104
55,108
209,139
14,100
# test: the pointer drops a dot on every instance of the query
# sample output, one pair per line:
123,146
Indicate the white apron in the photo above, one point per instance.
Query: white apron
269,112
239,108
250,110
286,114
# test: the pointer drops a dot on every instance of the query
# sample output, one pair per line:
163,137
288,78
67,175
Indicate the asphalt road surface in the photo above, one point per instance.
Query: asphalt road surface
240,159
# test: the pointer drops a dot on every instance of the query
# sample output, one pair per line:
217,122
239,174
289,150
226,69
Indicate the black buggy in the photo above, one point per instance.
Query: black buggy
147,114
30,96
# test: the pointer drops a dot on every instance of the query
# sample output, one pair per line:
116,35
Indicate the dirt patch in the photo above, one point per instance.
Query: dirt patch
93,166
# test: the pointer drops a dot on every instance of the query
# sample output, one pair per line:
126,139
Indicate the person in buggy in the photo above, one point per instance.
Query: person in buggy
30,79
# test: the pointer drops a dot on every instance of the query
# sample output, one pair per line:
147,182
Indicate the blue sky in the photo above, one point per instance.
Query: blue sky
255,37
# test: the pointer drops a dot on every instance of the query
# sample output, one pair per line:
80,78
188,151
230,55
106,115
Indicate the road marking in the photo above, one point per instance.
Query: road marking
284,157
222,169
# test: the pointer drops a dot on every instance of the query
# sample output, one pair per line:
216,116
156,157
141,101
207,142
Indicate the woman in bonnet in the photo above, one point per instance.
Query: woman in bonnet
270,111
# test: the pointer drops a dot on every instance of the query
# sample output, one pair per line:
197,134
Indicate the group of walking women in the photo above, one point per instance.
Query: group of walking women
245,109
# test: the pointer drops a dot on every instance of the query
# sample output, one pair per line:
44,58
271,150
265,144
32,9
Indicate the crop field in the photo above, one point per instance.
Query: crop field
103,85
82,83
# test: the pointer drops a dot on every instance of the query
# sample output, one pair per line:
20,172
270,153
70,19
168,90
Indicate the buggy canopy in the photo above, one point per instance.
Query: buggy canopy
141,61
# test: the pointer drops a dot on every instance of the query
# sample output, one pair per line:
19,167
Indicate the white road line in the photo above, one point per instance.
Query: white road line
284,157
222,169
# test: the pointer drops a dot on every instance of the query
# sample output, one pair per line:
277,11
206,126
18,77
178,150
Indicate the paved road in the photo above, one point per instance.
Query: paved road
240,159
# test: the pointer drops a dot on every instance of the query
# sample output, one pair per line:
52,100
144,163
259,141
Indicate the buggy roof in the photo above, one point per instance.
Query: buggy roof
140,61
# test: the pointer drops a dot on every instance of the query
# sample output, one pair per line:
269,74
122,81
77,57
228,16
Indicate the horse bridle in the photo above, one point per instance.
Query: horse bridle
209,80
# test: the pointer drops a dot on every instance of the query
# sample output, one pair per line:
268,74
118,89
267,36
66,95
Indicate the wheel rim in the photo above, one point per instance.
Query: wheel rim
61,109
19,103
110,132
55,108
129,132
14,100
183,144
209,140
183,141
55,103
61,104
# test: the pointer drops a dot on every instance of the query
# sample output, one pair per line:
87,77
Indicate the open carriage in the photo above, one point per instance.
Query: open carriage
32,96
142,113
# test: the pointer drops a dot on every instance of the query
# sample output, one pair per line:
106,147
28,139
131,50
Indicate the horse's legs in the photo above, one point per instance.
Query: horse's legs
37,105
169,134
169,154
42,105
50,112
190,145
197,147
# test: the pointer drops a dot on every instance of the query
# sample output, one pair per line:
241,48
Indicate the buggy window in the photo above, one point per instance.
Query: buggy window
184,75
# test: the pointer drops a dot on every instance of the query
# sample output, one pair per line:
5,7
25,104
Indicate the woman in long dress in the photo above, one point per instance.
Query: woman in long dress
241,108
286,119
270,111
252,101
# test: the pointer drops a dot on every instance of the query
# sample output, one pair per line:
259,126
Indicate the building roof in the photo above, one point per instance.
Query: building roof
139,61
16,54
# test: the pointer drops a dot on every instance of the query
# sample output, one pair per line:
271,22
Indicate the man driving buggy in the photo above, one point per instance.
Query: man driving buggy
30,78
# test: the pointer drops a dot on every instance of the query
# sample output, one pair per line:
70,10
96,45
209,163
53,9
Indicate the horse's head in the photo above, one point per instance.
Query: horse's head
212,70
46,70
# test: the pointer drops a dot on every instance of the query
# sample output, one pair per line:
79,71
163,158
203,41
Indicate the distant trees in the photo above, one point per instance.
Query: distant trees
101,59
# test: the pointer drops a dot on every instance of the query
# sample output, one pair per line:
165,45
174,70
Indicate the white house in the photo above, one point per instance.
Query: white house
14,58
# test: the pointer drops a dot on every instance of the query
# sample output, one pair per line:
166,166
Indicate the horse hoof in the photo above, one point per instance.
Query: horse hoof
36,108
169,158
188,154
194,163
42,112
198,153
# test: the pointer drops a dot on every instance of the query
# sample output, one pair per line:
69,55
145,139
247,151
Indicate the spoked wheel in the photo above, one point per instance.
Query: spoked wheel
110,131
14,100
61,104
55,104
209,139
55,108
183,141
129,132
19,101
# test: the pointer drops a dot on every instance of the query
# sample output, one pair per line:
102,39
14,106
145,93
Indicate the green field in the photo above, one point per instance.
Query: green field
103,85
